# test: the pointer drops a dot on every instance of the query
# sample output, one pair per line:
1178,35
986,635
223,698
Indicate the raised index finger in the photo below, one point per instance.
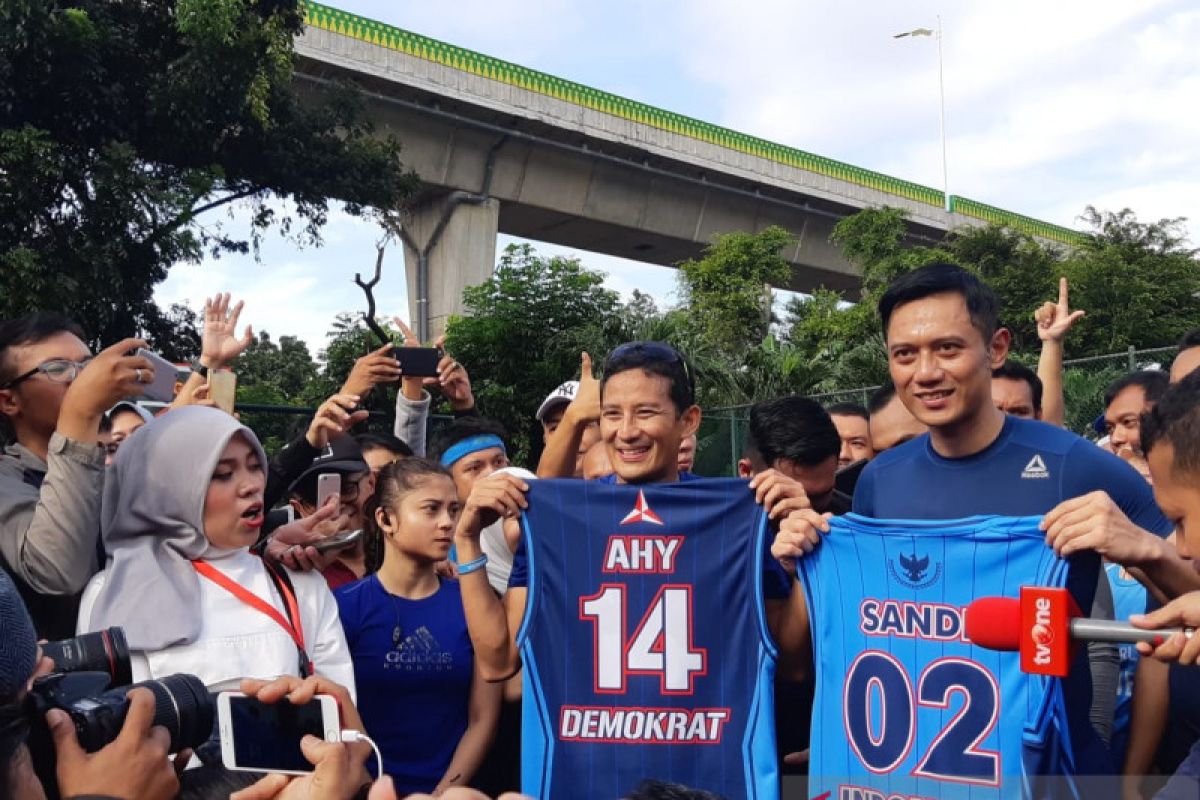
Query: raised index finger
405,331
1062,292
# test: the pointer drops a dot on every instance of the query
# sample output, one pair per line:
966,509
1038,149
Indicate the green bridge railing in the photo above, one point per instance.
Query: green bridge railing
332,19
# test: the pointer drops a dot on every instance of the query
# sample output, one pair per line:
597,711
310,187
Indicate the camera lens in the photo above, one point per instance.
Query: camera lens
182,705
103,651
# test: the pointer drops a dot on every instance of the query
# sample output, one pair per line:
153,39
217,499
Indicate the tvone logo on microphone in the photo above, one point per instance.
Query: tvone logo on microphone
1041,633
1045,630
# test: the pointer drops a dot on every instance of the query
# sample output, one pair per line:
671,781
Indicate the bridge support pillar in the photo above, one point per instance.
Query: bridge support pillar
449,244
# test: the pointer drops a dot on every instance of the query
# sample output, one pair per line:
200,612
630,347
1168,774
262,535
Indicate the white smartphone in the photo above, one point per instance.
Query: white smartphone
162,388
329,484
261,737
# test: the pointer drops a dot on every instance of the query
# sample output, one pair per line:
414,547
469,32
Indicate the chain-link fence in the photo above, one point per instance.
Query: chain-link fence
723,432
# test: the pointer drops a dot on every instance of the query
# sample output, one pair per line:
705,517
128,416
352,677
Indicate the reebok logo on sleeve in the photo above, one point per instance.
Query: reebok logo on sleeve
1036,468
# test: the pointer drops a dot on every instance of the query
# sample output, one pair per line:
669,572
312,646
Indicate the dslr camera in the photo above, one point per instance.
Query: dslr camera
91,681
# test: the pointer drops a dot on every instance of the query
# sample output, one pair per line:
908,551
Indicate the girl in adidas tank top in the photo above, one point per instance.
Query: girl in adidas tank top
421,698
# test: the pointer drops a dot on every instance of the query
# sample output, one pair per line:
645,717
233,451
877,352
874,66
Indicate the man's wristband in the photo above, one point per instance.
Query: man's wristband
199,369
473,566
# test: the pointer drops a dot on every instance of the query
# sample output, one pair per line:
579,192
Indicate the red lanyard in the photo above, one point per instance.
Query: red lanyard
294,629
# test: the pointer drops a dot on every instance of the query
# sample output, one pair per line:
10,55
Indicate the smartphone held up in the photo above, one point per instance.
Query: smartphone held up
162,388
418,362
265,737
329,486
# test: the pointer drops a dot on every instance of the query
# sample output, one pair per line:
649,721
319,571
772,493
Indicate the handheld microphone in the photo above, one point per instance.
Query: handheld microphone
1041,626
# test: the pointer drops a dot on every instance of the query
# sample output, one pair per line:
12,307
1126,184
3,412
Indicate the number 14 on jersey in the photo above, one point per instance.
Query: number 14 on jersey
661,644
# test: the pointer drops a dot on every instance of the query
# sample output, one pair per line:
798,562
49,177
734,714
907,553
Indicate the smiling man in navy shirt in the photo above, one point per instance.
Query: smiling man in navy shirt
943,342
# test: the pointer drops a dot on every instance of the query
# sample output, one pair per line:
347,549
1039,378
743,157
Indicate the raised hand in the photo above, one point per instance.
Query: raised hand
585,406
1054,320
219,345
410,338
499,495
453,380
112,375
200,394
333,418
412,388
374,368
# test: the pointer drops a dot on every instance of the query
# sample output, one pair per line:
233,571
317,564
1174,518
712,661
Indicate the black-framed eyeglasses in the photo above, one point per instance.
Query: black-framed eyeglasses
659,352
56,370
351,487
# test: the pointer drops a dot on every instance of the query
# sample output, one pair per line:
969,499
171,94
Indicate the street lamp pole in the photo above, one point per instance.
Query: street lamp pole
942,116
941,100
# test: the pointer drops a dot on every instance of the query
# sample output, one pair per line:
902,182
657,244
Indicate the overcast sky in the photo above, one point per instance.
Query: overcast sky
1051,106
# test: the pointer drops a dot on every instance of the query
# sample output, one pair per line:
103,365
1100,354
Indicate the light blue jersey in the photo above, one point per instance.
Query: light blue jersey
905,705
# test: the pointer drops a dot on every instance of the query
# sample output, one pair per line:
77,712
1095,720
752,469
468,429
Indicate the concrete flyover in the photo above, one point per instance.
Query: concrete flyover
502,148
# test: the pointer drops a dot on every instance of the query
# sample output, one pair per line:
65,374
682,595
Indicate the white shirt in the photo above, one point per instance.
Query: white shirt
237,641
494,543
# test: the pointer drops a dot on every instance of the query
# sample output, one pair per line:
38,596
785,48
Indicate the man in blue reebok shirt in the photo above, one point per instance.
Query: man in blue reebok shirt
943,342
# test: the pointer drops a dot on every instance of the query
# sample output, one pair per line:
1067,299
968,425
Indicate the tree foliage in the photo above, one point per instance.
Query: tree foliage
728,290
286,365
175,333
122,123
1136,281
524,330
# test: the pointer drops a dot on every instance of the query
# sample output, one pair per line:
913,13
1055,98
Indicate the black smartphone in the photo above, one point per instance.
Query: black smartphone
418,362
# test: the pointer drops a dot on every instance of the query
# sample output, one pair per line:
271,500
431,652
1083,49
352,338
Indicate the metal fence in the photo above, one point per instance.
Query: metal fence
723,431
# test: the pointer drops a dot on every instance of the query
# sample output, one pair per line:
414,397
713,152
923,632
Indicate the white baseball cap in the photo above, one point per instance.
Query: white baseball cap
563,395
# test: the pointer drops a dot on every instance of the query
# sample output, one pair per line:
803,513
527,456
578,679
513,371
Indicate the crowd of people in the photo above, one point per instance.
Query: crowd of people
220,561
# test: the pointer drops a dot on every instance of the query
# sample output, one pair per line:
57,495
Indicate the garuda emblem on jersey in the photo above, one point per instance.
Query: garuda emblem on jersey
913,570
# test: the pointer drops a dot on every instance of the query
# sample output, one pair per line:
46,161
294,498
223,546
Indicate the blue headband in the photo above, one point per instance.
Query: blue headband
472,444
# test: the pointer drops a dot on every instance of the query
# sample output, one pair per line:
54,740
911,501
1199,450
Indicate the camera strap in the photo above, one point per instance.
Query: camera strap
292,625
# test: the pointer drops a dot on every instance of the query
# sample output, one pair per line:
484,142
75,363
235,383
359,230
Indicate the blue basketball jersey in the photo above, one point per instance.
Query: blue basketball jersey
644,643
905,704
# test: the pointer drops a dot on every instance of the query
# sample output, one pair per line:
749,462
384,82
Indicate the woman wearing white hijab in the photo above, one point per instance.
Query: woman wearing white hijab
183,503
